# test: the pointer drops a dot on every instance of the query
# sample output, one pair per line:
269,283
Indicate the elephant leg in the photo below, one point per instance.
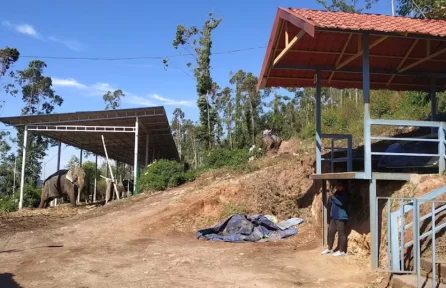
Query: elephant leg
73,198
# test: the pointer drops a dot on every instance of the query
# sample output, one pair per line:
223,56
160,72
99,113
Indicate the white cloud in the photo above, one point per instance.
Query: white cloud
69,82
100,88
167,101
70,44
27,30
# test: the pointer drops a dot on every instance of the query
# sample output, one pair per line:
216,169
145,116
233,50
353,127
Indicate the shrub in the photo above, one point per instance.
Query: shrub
227,158
7,205
160,175
31,196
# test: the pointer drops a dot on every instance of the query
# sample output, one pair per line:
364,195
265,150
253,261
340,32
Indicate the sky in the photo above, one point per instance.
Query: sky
134,28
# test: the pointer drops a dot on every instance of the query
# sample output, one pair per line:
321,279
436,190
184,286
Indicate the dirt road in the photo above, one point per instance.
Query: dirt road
126,245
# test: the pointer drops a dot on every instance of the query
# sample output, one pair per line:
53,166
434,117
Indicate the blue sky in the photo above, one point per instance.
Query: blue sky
129,29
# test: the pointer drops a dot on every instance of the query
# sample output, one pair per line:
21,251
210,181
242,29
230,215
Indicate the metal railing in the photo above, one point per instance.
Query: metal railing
333,159
397,247
440,140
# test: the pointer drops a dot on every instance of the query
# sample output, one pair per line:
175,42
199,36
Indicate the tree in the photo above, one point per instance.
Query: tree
200,41
8,56
429,9
177,123
113,100
38,98
343,5
73,162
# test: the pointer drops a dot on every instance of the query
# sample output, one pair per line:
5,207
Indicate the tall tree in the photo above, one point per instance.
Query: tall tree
177,125
8,56
429,9
346,6
200,41
38,98
73,162
113,100
227,107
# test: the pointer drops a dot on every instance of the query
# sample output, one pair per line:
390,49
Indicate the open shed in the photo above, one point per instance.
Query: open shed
311,48
132,136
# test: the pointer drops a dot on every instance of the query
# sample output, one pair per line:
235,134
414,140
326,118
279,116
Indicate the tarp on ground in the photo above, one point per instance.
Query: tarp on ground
418,147
257,228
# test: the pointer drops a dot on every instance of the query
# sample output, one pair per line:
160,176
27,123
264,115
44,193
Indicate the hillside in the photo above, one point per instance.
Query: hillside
149,240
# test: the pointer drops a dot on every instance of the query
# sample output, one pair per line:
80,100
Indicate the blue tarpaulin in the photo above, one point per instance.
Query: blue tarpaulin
241,228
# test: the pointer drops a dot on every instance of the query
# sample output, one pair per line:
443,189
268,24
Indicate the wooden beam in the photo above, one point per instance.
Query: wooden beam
275,49
287,37
439,52
428,47
412,46
377,41
340,56
351,54
289,45
349,81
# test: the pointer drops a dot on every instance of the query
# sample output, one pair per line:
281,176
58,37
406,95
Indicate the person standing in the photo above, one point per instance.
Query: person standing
339,217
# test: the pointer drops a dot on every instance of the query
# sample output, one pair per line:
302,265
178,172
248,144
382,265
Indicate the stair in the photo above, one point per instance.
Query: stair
410,281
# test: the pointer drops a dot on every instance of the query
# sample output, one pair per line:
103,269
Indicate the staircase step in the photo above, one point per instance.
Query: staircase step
410,281
440,268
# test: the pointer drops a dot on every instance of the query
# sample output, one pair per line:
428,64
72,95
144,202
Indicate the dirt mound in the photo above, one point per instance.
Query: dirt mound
290,146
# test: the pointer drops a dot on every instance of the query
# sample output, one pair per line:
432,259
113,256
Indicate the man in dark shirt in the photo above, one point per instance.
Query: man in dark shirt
339,218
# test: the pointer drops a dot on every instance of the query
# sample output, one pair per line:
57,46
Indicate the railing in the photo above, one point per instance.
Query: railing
396,229
436,125
333,150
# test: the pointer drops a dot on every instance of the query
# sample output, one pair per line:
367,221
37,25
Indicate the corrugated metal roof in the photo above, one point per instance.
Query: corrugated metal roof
120,146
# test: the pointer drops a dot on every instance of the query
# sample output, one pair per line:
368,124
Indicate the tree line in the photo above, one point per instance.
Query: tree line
230,118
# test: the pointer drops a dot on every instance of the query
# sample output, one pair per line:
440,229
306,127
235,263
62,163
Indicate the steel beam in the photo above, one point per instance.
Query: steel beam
373,224
135,166
359,70
318,123
78,128
22,175
324,213
366,93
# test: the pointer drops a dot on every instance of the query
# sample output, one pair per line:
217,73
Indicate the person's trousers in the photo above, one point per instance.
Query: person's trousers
337,226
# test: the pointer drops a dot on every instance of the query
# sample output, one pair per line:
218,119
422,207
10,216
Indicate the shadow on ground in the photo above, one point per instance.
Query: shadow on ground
7,281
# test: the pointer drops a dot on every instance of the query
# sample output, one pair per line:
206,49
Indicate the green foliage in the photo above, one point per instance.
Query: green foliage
113,100
89,169
343,5
160,175
31,196
227,158
429,9
7,205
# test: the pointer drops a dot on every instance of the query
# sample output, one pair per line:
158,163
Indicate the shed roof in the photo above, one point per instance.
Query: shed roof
405,53
84,130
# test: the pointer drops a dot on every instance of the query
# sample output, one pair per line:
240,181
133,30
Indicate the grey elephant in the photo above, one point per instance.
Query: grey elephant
63,182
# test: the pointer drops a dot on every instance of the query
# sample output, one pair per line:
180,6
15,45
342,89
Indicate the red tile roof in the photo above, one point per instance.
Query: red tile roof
371,22
334,38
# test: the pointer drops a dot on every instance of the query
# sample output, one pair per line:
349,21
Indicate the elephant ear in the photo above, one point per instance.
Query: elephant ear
71,176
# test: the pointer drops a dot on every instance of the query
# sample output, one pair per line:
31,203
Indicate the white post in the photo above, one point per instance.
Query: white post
80,165
54,202
22,176
95,179
13,185
147,151
135,166
111,170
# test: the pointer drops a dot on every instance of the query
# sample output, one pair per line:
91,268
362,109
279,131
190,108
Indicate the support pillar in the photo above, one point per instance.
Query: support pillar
374,249
22,175
80,165
433,95
318,124
366,93
147,151
59,149
153,156
324,213
135,166
95,179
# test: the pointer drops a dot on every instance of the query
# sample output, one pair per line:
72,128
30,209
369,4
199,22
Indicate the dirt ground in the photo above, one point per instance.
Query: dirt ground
124,245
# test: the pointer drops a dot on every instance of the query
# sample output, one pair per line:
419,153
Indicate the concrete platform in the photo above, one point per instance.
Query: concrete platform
361,175
410,281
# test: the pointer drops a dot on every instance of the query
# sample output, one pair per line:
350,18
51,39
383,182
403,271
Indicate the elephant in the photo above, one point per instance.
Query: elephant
272,142
62,183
